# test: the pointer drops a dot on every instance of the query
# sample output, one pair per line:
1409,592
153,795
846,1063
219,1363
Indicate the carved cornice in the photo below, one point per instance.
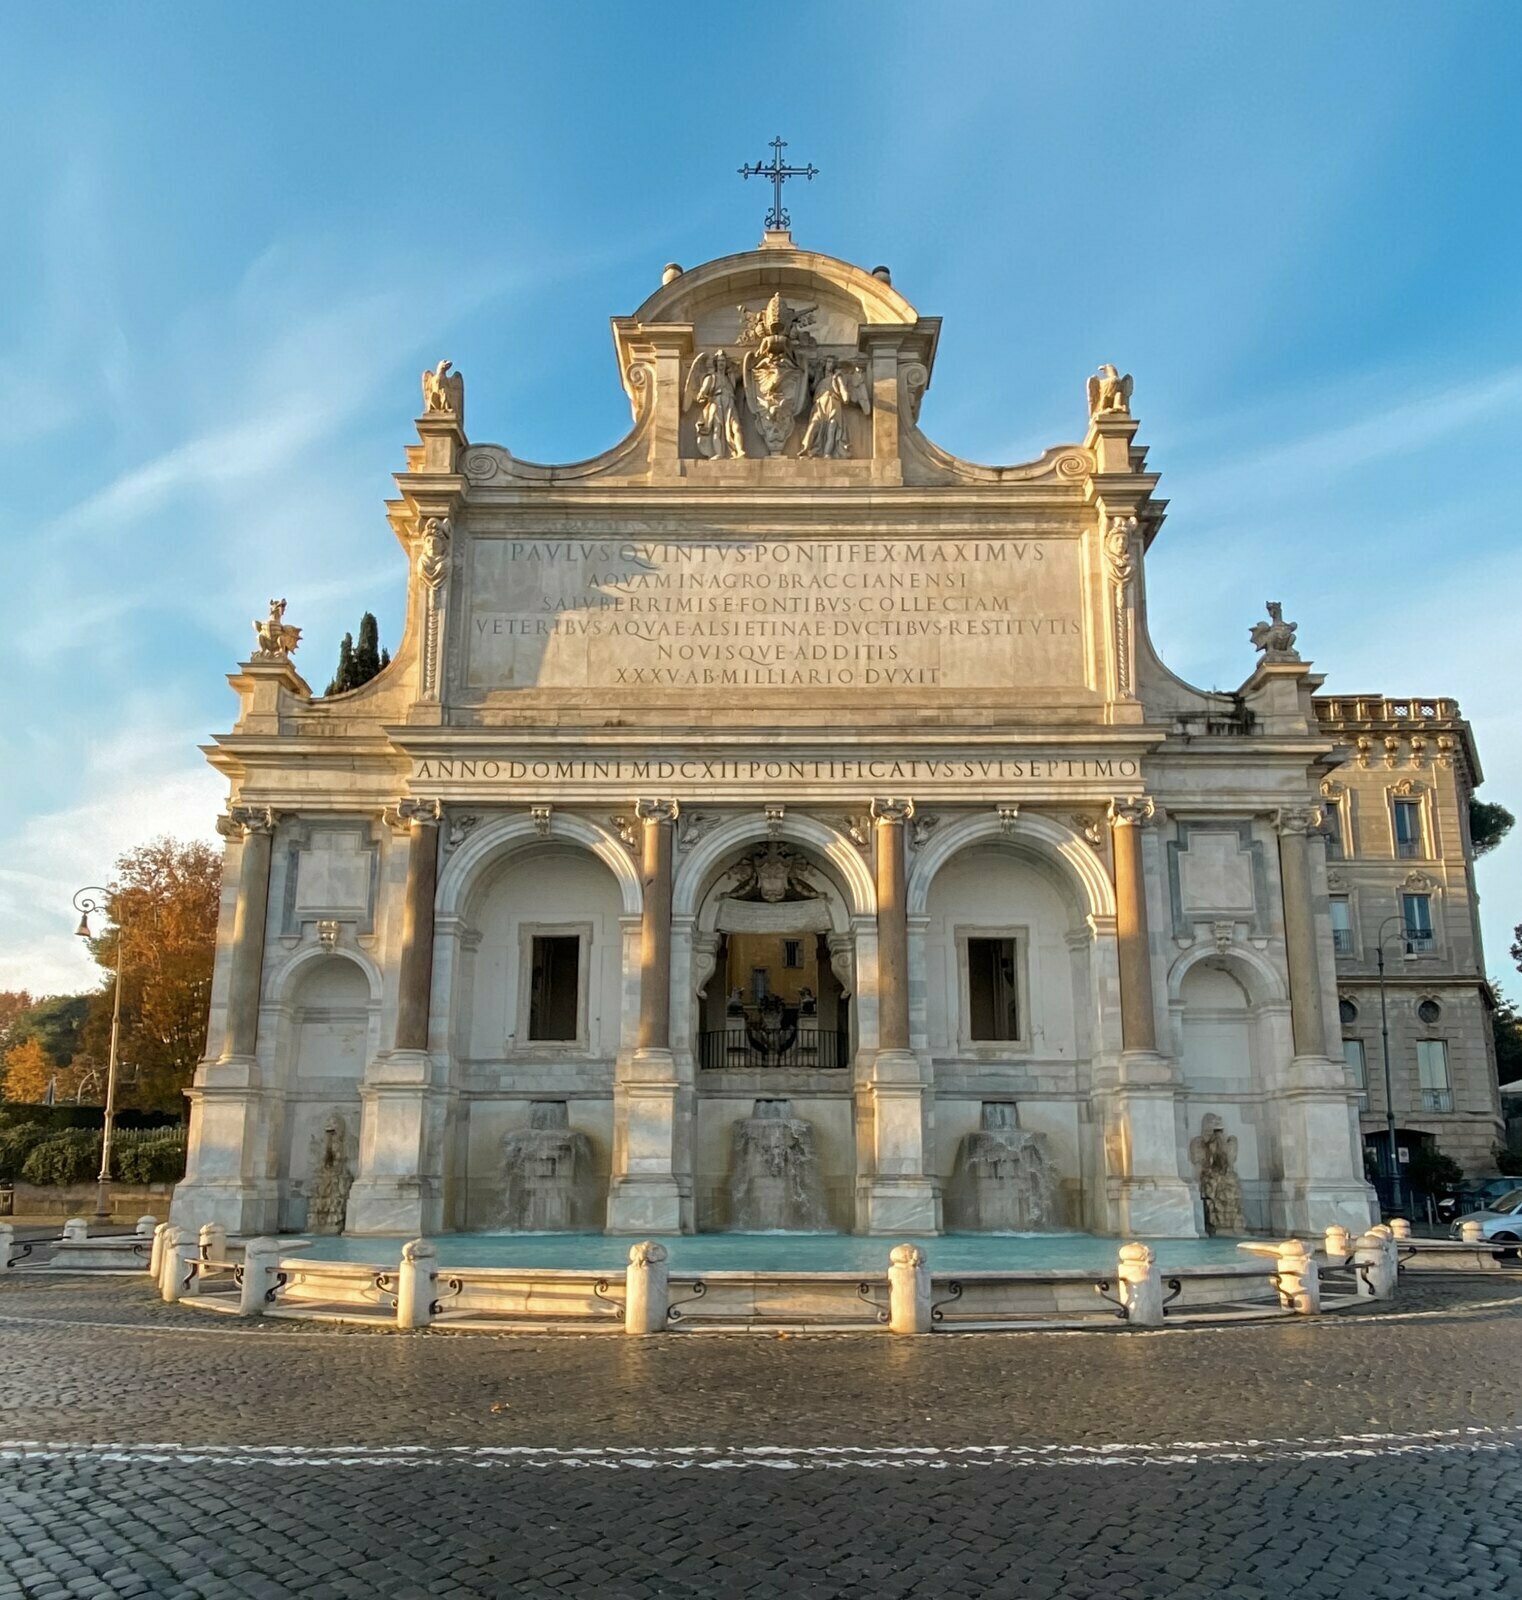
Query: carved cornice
241,821
1301,820
658,811
1131,811
412,813
890,812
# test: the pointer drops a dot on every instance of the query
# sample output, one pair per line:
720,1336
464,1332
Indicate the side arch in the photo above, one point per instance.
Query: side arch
1258,976
847,862
282,980
1041,835
503,835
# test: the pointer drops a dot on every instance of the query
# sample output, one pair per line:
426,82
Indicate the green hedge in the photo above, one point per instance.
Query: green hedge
72,1157
34,1154
150,1161
59,1119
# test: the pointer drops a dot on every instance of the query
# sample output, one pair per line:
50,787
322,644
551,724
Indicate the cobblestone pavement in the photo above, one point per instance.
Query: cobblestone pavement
177,1454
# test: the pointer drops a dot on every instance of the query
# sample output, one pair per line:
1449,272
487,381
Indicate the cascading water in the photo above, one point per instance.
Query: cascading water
774,1174
547,1173
1003,1180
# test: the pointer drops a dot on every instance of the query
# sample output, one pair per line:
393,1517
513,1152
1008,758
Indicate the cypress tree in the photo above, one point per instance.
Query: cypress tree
358,663
344,679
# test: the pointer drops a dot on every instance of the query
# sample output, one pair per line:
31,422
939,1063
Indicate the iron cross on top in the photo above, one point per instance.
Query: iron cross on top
779,173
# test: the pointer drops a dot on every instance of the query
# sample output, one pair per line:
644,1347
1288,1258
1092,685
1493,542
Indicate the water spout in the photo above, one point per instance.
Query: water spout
547,1177
1003,1181
774,1175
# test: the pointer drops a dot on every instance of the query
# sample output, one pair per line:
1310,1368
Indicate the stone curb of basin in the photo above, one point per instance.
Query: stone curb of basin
266,1277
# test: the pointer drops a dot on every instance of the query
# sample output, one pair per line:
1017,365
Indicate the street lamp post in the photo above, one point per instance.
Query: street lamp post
95,898
1384,1038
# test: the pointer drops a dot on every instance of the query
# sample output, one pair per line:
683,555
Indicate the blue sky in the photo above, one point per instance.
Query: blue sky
235,235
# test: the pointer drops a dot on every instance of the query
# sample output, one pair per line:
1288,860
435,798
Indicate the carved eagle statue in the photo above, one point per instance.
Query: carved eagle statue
1109,393
444,390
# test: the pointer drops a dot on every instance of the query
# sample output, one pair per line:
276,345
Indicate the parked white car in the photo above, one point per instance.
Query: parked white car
1501,1220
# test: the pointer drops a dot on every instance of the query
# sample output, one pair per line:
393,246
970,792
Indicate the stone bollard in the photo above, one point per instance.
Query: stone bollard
76,1229
647,1291
1338,1243
1141,1286
179,1252
416,1280
1374,1259
261,1261
1472,1232
144,1226
908,1290
1299,1279
156,1254
1400,1228
212,1240
7,1245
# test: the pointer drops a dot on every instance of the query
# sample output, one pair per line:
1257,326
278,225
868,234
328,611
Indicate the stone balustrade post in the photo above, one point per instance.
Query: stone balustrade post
658,818
255,827
1294,825
7,1246
1400,1228
416,1284
1374,1261
1299,1278
415,965
1338,1244
76,1230
179,1252
261,1261
647,1289
156,1253
908,1290
1141,1285
1138,1019
1472,1232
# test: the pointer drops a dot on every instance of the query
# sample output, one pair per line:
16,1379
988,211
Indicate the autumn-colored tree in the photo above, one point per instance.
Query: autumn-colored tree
14,1003
163,908
28,1072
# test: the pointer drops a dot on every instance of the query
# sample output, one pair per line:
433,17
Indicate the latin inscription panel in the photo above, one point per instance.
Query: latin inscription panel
974,613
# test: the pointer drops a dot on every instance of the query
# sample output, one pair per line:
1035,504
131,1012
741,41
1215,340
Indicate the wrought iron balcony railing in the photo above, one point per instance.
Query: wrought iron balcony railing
749,1046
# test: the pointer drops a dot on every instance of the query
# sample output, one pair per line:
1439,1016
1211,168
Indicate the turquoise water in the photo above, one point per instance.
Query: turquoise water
783,1252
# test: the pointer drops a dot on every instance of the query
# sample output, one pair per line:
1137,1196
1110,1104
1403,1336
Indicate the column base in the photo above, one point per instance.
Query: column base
411,1207
1309,1209
1152,1208
909,1206
647,1204
240,1206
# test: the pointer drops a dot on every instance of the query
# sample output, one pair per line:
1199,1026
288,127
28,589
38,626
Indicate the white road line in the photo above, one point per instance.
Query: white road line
775,1458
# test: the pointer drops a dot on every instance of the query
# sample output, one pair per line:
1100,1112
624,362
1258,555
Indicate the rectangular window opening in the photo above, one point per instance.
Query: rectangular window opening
792,952
1342,925
1432,1074
554,995
1408,828
1416,911
992,1001
1353,1055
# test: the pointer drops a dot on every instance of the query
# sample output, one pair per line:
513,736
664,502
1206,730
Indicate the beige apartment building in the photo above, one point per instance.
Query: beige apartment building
1400,878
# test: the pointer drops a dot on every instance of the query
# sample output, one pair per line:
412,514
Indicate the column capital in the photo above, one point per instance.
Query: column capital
241,821
1297,820
657,811
412,813
888,812
1131,811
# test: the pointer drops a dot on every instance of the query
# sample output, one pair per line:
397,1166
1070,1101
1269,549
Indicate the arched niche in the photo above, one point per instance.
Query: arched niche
328,1031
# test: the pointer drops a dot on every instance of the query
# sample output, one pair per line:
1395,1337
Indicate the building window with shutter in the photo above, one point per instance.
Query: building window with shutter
1432,1074
1416,912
